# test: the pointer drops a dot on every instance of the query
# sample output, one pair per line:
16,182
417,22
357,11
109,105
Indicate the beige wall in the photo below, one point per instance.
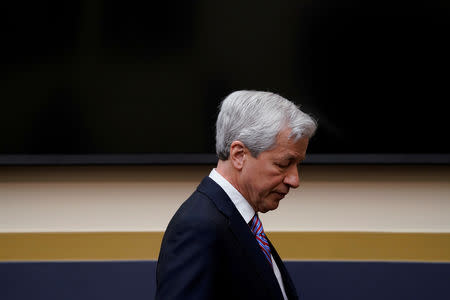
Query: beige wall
143,198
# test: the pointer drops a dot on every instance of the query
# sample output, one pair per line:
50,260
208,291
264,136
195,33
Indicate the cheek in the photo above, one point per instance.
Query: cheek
264,179
271,184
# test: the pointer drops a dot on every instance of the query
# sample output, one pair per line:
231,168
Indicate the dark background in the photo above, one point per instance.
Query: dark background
135,77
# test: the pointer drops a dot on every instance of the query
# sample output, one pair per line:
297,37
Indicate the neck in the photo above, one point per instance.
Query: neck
225,169
231,174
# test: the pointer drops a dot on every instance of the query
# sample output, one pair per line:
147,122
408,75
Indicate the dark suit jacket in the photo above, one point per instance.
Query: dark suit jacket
209,252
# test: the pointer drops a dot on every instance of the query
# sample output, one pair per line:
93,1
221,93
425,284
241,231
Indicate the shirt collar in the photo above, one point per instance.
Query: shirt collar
238,200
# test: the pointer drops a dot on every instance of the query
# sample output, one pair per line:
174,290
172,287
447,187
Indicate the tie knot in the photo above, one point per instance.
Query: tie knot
256,225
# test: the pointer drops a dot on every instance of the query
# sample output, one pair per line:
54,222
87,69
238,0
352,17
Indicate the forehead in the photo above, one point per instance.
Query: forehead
288,148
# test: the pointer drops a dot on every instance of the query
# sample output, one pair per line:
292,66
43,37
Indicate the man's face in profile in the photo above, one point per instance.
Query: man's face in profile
266,179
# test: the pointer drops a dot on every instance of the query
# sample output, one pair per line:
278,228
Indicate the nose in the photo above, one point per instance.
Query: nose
292,178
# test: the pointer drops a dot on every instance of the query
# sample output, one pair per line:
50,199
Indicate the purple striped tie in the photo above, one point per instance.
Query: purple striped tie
258,231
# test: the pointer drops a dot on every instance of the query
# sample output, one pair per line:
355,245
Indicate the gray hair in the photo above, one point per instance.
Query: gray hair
256,118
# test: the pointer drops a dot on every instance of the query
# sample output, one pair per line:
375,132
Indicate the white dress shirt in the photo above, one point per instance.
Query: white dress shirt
246,212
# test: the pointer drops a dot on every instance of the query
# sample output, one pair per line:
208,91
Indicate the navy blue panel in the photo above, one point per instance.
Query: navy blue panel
77,280
114,280
371,280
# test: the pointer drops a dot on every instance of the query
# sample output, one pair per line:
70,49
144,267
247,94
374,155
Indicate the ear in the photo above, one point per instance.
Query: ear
238,152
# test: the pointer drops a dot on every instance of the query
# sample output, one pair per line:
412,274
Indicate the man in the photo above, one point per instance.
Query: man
214,246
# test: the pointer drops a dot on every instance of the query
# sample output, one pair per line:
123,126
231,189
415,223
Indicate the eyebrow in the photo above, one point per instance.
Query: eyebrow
292,158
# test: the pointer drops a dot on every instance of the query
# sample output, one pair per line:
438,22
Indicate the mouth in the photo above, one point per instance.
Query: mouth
281,195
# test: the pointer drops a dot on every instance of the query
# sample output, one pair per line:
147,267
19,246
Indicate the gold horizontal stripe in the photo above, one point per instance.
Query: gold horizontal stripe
428,247
80,246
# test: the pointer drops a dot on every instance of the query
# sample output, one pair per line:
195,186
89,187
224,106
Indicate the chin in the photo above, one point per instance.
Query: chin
273,205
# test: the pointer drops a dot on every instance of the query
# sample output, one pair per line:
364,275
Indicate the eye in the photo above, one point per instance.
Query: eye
282,165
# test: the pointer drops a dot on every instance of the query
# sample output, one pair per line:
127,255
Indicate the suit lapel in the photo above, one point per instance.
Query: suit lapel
289,286
255,255
243,234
